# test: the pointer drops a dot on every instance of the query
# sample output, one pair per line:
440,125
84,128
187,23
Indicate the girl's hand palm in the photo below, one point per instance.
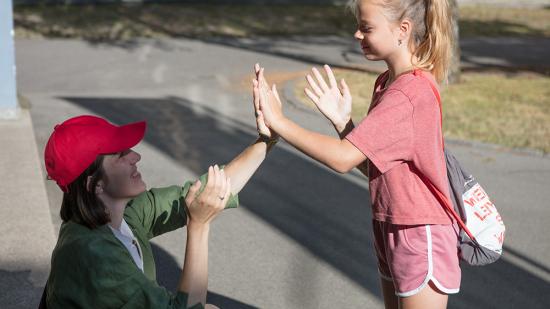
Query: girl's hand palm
335,106
260,92
332,101
267,103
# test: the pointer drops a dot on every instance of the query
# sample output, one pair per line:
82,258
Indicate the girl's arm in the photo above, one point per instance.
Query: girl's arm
334,102
363,167
338,154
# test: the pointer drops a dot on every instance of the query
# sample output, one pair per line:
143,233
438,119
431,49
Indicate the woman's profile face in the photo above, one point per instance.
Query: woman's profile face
122,178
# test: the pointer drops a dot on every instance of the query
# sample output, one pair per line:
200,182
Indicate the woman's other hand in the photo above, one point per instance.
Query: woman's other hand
203,207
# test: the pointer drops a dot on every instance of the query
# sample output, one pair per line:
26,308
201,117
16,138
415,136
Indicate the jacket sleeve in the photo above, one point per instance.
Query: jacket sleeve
162,210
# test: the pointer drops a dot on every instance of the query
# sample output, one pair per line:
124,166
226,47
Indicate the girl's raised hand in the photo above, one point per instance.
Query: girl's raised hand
270,107
260,122
333,102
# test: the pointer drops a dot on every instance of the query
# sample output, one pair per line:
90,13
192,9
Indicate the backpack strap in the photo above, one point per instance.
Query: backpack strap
418,72
448,206
439,195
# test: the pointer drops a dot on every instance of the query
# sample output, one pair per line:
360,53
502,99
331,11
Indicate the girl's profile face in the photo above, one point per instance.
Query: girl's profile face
122,178
378,37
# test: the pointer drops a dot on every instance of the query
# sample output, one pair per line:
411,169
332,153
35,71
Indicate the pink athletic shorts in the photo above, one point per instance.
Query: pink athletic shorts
412,255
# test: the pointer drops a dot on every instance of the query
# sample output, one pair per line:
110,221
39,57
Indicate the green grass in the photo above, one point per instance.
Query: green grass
510,110
123,21
479,20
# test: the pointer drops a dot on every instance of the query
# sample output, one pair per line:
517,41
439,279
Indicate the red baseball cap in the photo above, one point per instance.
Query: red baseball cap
75,144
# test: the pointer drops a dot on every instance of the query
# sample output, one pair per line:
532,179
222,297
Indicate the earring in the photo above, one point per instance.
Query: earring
399,42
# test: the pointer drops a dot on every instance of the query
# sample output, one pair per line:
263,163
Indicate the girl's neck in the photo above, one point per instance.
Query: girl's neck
398,65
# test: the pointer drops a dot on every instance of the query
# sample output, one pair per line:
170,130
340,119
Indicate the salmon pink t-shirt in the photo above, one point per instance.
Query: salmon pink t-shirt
401,136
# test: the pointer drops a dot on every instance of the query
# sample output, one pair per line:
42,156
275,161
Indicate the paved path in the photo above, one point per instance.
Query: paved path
301,238
481,53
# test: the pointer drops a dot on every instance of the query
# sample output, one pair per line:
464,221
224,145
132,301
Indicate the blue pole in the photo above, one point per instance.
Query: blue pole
9,108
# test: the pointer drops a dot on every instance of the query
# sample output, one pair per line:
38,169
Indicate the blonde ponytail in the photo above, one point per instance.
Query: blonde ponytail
434,51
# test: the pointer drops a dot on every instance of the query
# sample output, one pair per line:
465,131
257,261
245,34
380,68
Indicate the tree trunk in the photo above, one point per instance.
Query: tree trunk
454,69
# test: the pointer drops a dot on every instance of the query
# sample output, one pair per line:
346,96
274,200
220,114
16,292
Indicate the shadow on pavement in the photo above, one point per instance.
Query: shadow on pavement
510,55
323,212
168,275
18,291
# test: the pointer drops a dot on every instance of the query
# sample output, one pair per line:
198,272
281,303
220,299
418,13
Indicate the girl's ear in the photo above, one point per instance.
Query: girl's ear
405,29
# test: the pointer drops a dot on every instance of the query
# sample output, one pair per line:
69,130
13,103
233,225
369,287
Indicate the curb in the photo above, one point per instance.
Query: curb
29,235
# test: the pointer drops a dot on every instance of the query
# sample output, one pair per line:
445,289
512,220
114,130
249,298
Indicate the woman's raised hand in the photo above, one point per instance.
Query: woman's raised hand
333,102
203,207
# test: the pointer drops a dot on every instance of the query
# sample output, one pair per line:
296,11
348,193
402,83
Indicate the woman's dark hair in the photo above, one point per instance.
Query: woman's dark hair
82,205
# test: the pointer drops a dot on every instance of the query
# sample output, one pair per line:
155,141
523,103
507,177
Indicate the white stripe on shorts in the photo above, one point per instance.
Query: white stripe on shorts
429,276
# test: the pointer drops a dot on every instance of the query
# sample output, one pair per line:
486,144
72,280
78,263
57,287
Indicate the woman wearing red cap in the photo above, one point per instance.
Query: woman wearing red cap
103,257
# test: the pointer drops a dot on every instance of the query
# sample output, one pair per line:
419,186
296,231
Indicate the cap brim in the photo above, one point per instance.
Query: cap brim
126,137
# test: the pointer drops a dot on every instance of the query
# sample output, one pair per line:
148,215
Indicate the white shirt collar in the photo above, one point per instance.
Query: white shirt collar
126,237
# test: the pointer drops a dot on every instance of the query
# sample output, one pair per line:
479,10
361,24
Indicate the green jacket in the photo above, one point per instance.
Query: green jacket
93,269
